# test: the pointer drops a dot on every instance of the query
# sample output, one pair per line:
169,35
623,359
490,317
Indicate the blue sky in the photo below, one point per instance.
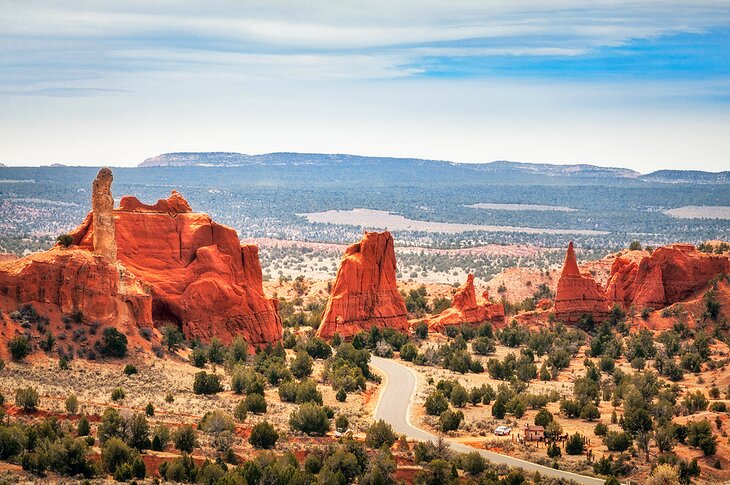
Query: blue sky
644,85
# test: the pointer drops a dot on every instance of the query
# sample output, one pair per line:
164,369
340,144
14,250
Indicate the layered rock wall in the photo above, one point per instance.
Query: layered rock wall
670,274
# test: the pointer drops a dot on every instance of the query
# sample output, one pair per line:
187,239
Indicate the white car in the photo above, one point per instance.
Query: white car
502,430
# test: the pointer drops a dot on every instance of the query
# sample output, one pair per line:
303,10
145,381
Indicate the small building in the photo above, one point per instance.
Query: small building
534,433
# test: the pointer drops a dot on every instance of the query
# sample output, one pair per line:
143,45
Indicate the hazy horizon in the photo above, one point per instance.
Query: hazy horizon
644,86
136,165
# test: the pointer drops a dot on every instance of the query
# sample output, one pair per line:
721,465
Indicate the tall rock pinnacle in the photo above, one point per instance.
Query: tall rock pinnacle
102,207
571,263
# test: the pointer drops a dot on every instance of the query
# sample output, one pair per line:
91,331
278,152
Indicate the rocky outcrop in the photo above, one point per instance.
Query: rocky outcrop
578,294
102,210
670,274
76,279
364,293
466,310
199,275
162,264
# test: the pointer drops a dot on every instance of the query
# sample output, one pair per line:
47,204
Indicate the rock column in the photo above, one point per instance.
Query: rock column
102,207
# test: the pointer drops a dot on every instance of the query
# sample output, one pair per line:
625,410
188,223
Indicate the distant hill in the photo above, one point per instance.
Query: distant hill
232,159
687,177
2,164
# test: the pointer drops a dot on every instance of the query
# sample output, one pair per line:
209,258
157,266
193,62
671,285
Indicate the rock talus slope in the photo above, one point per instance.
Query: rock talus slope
364,293
578,294
466,309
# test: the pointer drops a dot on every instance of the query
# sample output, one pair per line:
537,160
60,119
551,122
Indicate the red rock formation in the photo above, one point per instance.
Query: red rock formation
102,210
578,294
173,266
75,279
466,309
199,274
364,294
671,274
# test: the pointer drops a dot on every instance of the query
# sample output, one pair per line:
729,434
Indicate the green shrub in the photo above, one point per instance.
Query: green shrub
255,403
378,434
408,352
301,365
240,411
310,419
72,404
436,404
575,444
617,441
113,343
199,357
19,347
65,240
27,398
450,420
205,383
118,394
263,436
185,438
473,463
83,428
130,369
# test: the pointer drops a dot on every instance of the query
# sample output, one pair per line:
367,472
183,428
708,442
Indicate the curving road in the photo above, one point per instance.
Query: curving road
394,408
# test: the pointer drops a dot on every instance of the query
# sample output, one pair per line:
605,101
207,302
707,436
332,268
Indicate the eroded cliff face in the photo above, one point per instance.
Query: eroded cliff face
76,279
364,293
199,275
465,309
173,265
669,275
578,294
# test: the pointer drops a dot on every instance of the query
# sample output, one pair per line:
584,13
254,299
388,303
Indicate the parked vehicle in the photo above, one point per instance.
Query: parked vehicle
502,430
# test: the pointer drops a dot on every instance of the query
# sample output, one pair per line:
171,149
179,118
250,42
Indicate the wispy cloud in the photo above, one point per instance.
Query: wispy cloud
461,79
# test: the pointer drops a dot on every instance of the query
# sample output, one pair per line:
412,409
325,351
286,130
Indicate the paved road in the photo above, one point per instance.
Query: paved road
394,408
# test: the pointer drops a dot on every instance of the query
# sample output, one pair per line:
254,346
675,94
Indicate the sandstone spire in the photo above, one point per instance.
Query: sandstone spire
102,207
365,293
570,267
578,294
465,309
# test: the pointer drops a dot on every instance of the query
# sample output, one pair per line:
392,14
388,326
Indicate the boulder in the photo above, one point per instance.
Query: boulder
466,310
578,294
669,275
364,293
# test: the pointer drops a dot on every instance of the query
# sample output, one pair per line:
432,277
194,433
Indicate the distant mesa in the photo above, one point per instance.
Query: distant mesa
365,294
149,265
465,309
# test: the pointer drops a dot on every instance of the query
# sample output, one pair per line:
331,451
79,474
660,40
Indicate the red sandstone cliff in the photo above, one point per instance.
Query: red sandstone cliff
578,294
670,274
172,266
74,279
364,294
466,309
